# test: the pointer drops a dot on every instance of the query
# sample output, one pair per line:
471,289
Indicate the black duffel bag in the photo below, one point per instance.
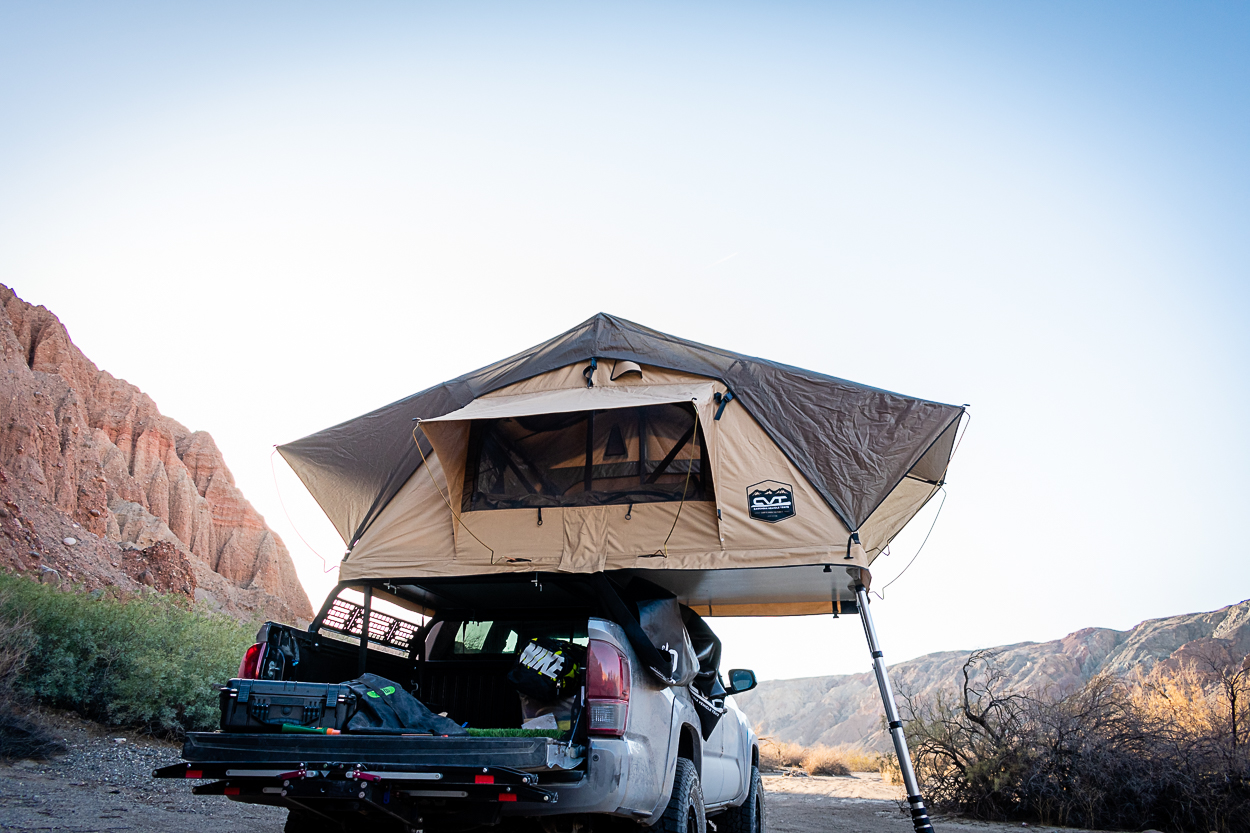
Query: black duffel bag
548,669
384,708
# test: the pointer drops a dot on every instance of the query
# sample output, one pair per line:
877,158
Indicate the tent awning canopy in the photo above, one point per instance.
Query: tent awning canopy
733,482
751,592
566,400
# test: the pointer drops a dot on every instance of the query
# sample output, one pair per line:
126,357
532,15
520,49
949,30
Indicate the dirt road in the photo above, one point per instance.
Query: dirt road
104,783
858,803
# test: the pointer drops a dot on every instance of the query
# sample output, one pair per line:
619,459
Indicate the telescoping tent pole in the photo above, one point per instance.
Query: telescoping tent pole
919,815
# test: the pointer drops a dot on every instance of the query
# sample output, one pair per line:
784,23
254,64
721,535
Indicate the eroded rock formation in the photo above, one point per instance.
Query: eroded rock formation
88,458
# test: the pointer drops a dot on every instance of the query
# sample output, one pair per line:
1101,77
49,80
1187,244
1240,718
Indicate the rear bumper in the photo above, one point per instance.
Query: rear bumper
405,777
273,750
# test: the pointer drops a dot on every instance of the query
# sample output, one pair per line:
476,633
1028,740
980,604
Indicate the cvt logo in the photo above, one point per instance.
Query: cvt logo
770,501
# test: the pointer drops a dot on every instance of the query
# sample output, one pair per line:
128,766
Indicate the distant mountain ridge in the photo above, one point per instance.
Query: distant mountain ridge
846,709
99,489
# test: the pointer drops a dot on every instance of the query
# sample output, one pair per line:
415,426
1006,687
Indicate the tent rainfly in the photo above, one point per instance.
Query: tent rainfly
742,486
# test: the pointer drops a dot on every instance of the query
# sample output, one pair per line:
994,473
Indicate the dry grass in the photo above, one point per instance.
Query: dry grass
861,761
778,756
821,760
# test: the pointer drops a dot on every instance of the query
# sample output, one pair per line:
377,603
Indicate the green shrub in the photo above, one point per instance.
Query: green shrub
145,661
20,736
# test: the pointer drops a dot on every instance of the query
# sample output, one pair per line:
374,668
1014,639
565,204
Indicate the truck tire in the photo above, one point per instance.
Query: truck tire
749,818
685,813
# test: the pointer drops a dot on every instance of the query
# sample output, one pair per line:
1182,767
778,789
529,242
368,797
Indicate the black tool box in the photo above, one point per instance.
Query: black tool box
265,705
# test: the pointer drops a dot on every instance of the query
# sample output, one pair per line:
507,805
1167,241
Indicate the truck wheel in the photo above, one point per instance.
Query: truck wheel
749,818
685,809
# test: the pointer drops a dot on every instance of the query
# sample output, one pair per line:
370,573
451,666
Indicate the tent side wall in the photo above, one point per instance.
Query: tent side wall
706,535
412,535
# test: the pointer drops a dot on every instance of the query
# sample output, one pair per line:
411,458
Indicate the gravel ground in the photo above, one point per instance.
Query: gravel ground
104,782
101,784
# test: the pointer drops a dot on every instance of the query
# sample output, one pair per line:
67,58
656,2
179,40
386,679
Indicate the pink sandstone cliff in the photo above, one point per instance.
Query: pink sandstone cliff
98,488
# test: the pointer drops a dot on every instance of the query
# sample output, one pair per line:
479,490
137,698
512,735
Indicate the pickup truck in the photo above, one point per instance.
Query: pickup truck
645,751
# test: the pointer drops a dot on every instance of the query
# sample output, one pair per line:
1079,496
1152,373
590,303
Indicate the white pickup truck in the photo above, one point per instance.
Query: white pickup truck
646,747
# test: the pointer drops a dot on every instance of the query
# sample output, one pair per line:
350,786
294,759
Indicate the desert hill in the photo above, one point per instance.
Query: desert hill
846,709
98,488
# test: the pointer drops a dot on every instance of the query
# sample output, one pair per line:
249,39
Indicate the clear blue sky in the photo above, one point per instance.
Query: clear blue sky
274,218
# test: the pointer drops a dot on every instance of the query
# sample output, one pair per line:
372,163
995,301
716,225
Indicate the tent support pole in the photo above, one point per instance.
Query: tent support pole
364,631
919,815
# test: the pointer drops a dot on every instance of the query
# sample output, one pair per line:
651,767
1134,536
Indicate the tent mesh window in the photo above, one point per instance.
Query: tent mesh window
587,458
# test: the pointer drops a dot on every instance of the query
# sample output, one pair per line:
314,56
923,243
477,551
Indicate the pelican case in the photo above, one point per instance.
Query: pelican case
264,705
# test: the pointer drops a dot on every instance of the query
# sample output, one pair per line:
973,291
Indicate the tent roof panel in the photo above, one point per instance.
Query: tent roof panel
854,443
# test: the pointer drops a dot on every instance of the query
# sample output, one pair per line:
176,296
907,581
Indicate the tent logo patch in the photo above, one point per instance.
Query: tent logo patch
770,501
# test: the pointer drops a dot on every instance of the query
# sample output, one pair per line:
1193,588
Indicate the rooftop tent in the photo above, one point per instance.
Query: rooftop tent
733,482
733,485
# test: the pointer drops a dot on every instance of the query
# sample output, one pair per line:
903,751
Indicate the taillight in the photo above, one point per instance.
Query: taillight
253,660
607,688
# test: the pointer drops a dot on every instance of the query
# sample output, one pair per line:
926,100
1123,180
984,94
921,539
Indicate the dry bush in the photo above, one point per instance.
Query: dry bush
777,755
1204,699
859,760
891,772
1169,750
822,760
16,643
20,736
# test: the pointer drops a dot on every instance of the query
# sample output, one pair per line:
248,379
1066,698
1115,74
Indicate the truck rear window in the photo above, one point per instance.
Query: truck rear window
504,637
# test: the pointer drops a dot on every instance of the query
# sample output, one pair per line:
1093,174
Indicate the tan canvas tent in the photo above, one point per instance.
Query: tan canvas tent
736,483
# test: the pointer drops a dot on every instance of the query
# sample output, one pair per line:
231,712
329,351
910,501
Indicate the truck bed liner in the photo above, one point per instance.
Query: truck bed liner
532,754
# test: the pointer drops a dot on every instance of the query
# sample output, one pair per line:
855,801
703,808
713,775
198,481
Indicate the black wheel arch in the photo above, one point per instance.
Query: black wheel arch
690,747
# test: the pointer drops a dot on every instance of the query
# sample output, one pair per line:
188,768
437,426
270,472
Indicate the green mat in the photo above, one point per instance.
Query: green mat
554,734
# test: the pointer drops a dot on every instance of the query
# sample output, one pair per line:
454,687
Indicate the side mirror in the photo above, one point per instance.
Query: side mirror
741,680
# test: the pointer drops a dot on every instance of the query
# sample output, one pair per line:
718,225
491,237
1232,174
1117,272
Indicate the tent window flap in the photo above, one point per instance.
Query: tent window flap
645,454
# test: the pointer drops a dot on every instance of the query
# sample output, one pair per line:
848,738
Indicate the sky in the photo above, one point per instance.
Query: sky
274,217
